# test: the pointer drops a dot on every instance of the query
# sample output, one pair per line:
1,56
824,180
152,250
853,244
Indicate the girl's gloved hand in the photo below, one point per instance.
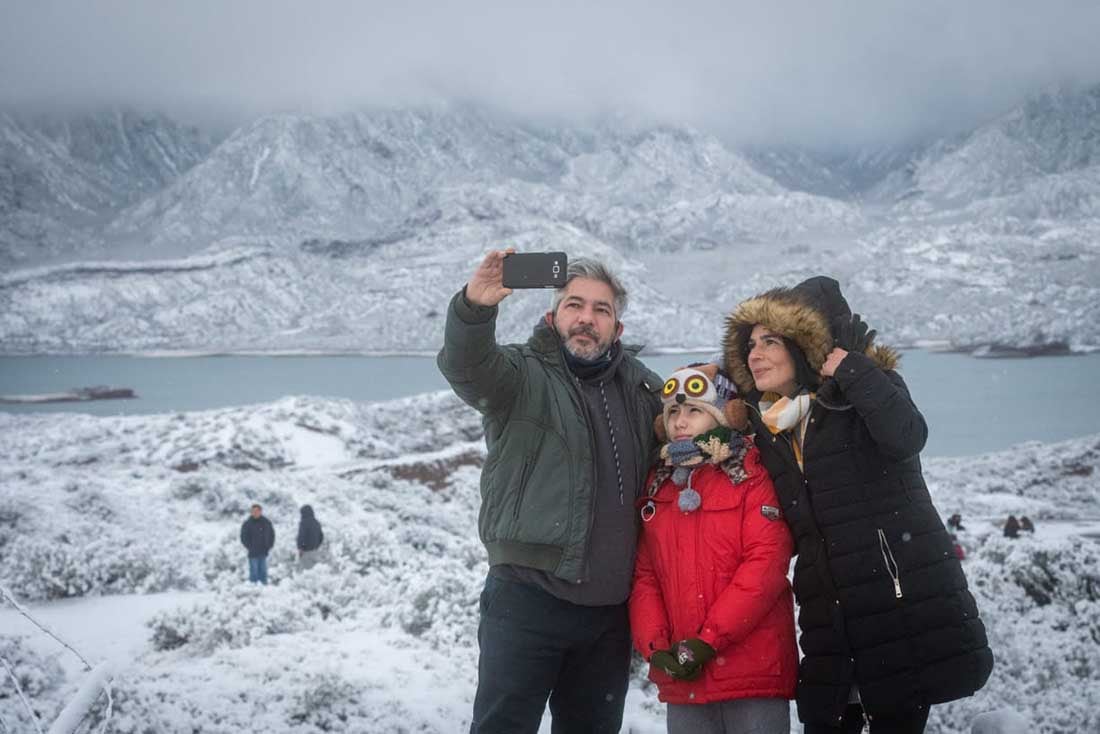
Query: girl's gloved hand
692,654
665,661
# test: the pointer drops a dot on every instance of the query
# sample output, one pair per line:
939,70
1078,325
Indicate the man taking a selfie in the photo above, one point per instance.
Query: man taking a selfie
568,420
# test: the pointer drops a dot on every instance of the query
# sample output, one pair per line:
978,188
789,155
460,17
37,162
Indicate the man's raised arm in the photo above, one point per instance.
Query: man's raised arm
479,370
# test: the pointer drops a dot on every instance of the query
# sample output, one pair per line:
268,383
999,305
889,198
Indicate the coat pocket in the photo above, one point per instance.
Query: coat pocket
757,656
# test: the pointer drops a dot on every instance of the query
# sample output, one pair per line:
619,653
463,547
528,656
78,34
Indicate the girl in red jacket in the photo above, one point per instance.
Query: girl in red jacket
711,608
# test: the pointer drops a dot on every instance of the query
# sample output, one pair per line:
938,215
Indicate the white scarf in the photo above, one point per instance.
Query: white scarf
783,414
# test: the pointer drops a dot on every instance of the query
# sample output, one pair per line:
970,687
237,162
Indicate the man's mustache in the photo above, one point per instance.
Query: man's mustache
585,331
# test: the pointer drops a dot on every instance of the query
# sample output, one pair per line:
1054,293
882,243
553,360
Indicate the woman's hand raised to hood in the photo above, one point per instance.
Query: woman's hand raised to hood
881,399
828,369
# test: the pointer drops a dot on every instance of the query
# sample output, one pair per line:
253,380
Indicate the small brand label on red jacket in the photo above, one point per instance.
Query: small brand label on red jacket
772,513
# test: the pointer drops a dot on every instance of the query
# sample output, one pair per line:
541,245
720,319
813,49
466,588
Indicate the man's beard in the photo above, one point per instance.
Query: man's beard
598,348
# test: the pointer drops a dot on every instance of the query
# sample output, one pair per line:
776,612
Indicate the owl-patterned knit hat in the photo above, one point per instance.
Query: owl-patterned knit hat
709,388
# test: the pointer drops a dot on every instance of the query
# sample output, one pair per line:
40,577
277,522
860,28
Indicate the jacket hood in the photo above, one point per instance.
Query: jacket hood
803,314
307,511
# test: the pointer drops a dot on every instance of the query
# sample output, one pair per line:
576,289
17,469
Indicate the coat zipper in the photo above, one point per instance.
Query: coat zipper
891,564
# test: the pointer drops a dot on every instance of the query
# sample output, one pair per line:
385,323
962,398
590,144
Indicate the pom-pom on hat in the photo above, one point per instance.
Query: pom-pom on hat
709,388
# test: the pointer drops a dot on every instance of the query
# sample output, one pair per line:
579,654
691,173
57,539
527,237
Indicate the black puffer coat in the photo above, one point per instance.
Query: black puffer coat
310,535
883,600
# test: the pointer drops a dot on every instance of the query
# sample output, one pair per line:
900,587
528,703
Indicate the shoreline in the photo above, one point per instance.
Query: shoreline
984,351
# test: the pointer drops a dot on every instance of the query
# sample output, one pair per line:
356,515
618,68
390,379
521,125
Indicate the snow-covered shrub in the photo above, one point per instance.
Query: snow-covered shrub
234,618
332,591
1002,721
225,561
85,560
439,604
11,517
283,690
326,702
1040,600
225,495
37,673
368,548
89,503
221,501
187,488
39,677
239,615
147,703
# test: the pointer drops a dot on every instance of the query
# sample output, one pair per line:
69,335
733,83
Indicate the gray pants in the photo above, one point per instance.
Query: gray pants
309,559
739,716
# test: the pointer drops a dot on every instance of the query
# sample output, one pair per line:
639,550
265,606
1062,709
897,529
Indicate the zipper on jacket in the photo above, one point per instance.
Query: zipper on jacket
891,564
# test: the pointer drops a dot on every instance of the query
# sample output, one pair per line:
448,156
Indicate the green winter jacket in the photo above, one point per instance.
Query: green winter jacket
537,486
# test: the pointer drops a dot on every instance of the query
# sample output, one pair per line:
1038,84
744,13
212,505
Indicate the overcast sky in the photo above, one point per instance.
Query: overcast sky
820,73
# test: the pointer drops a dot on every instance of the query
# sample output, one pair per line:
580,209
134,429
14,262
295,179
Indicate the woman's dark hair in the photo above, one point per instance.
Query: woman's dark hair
804,375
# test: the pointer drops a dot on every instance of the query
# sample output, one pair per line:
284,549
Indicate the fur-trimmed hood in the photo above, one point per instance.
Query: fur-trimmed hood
803,314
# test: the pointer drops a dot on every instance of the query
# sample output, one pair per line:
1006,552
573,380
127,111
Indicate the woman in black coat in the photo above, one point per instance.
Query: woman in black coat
887,624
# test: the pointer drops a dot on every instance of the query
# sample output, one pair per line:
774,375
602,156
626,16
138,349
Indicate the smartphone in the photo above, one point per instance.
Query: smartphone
535,270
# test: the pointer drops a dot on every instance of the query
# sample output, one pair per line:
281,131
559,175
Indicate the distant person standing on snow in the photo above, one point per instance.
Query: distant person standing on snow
568,420
310,537
1026,526
258,536
888,625
1012,527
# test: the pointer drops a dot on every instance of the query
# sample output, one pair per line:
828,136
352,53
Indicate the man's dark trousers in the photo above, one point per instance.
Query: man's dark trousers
535,646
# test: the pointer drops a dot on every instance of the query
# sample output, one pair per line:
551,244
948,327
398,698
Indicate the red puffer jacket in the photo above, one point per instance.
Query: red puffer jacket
720,574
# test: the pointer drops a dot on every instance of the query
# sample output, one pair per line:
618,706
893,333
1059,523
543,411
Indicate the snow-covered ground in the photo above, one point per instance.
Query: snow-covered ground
121,534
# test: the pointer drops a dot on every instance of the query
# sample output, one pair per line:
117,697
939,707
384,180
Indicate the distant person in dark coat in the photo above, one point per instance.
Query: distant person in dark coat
1012,527
955,522
1025,525
258,536
888,625
310,537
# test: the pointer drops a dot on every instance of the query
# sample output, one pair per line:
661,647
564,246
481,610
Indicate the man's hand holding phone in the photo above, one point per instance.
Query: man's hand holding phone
486,286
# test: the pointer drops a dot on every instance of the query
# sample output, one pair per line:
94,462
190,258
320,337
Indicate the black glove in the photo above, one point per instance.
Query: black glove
851,334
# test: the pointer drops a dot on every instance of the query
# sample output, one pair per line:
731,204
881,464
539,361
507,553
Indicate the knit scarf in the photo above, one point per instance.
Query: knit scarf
783,415
720,446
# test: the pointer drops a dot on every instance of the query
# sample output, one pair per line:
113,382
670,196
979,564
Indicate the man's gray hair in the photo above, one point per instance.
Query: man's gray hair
586,267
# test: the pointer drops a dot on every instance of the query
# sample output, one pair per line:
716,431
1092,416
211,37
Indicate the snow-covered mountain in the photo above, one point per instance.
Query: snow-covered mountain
63,178
382,637
369,176
1055,135
351,232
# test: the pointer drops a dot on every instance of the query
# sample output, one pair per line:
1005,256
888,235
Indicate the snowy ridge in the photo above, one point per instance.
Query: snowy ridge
364,175
1053,133
63,178
382,297
382,637
87,268
372,219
